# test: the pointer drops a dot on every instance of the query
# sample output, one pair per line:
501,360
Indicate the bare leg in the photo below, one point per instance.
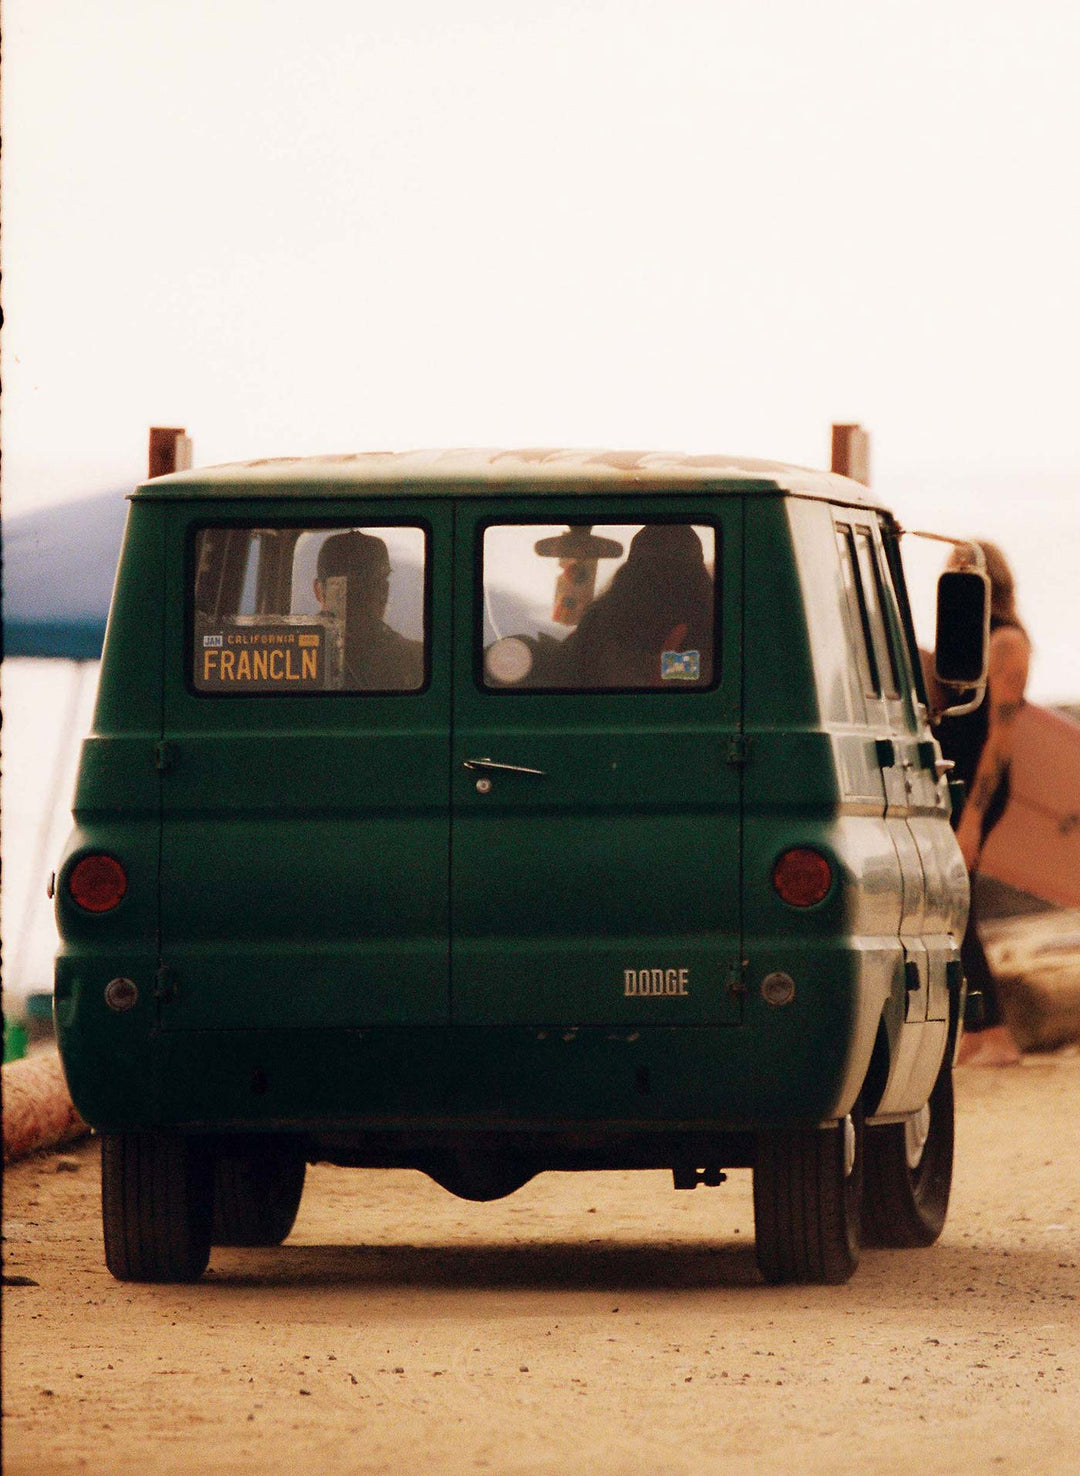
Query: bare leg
992,1047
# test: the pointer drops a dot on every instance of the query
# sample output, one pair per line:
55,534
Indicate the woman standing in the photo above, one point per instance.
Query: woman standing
981,743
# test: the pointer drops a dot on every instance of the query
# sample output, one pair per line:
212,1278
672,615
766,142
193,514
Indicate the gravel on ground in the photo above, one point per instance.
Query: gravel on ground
590,1322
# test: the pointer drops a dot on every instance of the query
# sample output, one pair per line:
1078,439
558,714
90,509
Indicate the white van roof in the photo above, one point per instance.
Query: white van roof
478,471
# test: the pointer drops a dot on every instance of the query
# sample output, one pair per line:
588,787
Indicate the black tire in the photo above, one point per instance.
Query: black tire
156,1206
909,1172
807,1202
257,1190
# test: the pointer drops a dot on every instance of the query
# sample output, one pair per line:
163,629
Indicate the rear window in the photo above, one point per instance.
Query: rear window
585,607
290,609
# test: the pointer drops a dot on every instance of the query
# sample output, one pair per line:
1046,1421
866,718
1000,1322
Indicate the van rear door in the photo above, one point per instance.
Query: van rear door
596,784
305,838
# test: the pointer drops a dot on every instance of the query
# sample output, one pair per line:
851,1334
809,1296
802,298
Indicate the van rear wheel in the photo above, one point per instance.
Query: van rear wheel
909,1171
156,1205
257,1191
807,1202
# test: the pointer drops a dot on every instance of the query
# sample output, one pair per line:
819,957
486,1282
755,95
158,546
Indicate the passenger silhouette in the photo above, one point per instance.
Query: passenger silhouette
353,581
660,601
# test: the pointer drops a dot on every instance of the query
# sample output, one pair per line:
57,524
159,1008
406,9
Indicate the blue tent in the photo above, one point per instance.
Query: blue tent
59,566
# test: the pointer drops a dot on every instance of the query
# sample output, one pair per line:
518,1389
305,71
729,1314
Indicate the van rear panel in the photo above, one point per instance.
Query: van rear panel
305,830
331,858
595,877
503,1078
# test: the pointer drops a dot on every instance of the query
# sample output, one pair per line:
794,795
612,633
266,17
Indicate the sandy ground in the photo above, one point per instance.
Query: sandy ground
599,1323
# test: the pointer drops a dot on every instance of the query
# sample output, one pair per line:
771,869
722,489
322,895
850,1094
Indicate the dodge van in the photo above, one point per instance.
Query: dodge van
486,813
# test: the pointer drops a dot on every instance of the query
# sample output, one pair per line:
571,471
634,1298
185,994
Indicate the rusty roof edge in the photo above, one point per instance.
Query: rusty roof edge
476,471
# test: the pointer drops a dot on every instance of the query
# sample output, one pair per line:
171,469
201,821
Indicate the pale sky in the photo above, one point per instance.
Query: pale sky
682,224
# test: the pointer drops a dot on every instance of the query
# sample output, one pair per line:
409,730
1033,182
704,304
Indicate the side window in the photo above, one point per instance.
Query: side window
860,623
870,574
290,609
909,661
588,608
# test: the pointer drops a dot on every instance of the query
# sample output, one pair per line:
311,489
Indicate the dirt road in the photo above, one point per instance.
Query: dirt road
596,1323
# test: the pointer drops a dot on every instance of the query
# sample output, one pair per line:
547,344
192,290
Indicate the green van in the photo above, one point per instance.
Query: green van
492,812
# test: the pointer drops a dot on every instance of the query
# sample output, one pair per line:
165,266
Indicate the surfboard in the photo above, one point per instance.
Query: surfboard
1035,846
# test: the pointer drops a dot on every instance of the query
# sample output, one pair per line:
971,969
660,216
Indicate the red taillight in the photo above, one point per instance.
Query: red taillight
97,883
802,877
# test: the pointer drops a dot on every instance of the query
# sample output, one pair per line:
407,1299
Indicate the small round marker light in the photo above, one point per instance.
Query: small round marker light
121,995
97,883
802,877
778,989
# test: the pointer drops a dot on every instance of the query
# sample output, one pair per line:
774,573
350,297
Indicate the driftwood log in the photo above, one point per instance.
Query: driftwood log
38,1110
1036,961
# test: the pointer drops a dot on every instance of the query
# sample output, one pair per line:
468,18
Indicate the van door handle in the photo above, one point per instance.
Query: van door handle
490,764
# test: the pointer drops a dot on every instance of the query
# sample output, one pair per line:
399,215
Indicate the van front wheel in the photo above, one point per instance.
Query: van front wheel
909,1172
257,1190
156,1205
807,1202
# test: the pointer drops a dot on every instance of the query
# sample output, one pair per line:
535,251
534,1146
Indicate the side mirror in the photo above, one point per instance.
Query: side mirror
963,633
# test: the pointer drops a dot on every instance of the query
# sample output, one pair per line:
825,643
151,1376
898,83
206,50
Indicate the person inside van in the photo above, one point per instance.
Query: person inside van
657,612
353,583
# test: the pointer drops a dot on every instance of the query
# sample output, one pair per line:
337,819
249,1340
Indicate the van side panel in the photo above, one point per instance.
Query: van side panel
811,780
884,791
117,810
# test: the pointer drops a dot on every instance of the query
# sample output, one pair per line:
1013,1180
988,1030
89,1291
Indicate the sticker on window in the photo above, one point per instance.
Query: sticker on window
680,666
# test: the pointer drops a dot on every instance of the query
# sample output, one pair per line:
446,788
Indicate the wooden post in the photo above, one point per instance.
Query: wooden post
851,452
170,450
